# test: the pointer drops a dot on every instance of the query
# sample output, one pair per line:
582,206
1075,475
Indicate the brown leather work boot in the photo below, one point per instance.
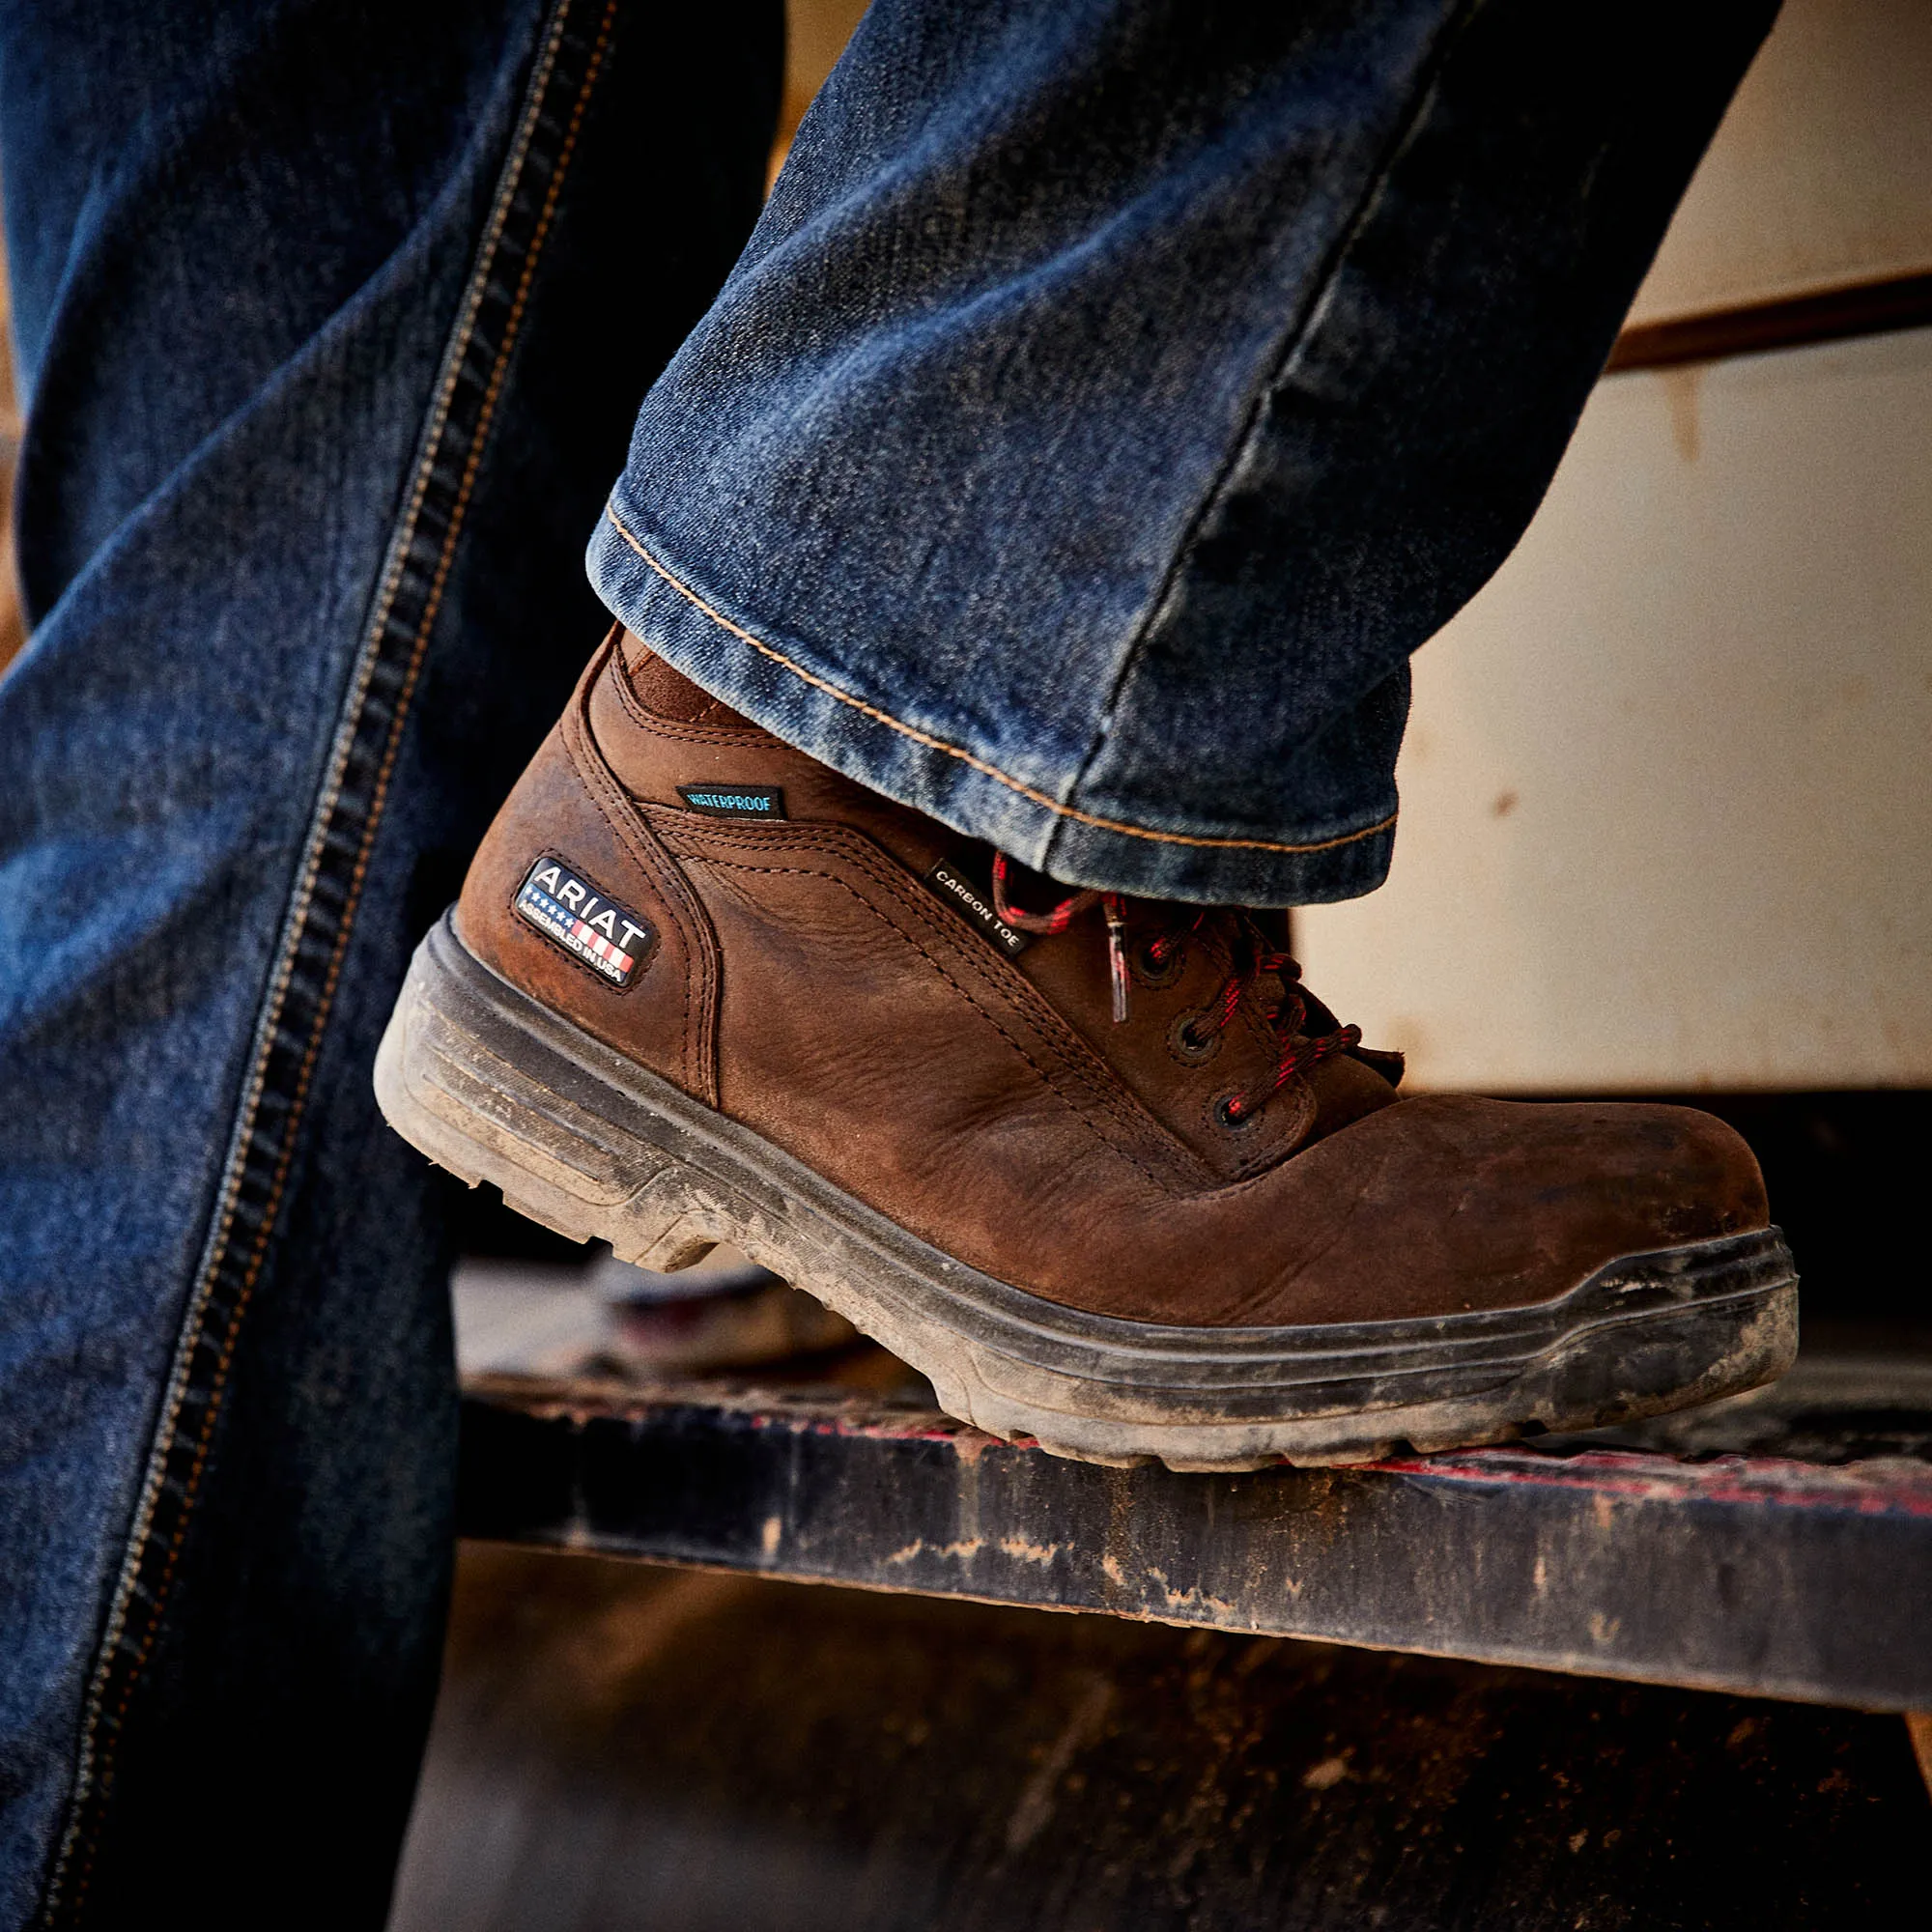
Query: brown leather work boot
701,988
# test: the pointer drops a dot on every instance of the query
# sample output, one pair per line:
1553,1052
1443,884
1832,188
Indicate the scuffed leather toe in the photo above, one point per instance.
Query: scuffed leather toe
1453,1202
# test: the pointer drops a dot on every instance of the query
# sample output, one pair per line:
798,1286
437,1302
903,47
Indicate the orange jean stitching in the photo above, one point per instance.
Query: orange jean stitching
377,797
978,764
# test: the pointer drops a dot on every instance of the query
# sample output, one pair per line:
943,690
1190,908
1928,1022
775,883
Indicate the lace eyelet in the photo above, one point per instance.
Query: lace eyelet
1189,1047
1156,973
1227,1119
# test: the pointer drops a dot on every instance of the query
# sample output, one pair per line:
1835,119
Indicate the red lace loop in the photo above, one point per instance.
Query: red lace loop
1299,1054
1059,917
1056,918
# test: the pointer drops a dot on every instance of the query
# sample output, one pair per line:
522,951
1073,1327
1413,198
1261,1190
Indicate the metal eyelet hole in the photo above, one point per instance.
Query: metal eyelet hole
1191,1043
1226,1116
1156,973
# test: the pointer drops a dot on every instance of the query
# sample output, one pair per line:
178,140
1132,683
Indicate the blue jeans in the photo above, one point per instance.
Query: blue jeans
1106,403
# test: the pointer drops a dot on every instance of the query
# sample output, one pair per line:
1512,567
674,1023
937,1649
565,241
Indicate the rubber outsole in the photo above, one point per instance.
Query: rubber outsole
495,1087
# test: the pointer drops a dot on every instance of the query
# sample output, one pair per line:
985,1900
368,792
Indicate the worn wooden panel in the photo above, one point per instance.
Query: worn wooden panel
621,1749
1665,819
1782,1544
1820,176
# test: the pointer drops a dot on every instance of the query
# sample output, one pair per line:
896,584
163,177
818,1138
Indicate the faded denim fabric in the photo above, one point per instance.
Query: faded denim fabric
1110,397
1113,396
332,322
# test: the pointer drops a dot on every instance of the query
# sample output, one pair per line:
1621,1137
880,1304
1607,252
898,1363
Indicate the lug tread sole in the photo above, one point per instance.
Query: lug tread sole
493,1087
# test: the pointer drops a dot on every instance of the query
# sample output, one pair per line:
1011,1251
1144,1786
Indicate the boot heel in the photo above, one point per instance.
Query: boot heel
475,1113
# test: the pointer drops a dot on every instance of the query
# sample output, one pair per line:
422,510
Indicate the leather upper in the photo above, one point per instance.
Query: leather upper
806,979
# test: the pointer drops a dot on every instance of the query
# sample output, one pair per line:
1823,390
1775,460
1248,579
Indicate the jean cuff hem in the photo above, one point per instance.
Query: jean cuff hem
776,682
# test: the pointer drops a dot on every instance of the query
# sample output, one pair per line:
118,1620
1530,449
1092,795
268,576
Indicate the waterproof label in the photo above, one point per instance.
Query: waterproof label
724,801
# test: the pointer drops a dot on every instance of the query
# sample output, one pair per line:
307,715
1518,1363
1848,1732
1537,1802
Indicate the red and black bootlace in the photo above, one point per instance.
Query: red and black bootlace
1299,1054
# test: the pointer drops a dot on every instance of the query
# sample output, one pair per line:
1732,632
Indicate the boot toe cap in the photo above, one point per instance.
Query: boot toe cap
1553,1192
1445,1204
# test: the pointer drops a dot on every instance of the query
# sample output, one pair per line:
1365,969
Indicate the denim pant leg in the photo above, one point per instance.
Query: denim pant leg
332,322
1113,395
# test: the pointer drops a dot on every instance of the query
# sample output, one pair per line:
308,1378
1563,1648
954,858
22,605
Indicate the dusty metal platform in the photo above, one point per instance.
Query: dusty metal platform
1778,1543
640,1749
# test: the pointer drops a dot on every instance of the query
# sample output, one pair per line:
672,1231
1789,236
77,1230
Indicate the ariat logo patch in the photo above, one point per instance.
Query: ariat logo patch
612,941
735,801
976,903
